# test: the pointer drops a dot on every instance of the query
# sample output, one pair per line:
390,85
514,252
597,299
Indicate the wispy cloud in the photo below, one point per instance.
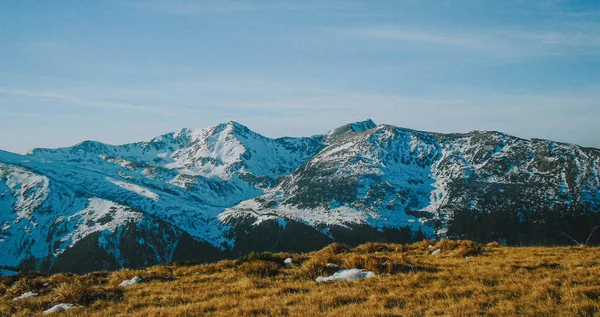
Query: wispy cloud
188,8
502,42
418,36
74,101
18,114
589,38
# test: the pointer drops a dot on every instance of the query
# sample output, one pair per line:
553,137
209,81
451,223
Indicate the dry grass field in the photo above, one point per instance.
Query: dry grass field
464,279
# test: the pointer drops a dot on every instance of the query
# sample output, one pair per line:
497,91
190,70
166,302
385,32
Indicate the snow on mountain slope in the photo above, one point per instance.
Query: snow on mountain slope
26,220
226,149
28,189
384,176
371,175
100,215
184,178
42,216
220,165
215,192
218,151
134,188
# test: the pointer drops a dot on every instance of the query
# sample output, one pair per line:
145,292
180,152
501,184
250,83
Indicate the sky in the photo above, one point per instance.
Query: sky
126,71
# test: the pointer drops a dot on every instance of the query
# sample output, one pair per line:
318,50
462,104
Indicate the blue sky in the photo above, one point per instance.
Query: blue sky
124,71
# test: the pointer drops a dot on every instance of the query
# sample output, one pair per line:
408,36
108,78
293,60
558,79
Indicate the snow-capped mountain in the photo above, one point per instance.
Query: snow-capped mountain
225,190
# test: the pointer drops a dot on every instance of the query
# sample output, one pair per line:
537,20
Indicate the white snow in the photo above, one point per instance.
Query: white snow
59,308
329,151
347,275
127,164
30,190
436,252
216,143
218,151
342,215
288,261
26,295
134,188
99,215
133,281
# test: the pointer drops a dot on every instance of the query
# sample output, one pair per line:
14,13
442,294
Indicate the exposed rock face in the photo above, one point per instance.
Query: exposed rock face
222,191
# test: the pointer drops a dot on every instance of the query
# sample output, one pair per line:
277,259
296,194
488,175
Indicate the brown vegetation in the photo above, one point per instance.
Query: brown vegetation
465,279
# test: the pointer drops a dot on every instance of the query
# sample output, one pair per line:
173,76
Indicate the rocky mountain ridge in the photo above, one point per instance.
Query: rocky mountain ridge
225,190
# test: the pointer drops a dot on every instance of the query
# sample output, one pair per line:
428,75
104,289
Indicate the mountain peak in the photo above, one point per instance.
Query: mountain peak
354,127
362,125
238,127
229,127
236,124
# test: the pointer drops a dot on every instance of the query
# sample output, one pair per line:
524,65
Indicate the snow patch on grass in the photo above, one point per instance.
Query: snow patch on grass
133,281
26,295
347,275
59,308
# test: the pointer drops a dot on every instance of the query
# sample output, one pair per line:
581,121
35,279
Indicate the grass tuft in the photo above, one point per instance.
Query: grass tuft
375,247
74,292
336,248
259,268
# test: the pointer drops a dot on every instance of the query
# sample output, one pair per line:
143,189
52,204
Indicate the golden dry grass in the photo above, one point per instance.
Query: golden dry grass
493,281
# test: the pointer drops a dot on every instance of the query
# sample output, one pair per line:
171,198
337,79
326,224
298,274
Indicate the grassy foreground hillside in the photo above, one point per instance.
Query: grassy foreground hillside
464,279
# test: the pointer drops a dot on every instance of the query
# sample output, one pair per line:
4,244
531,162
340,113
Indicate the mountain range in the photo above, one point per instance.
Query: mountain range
223,191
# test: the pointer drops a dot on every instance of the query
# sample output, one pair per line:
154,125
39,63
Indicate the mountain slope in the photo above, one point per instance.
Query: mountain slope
179,182
386,176
225,190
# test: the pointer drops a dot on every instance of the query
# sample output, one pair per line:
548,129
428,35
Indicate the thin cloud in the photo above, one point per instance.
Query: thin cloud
504,43
19,114
186,8
408,35
79,102
586,38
